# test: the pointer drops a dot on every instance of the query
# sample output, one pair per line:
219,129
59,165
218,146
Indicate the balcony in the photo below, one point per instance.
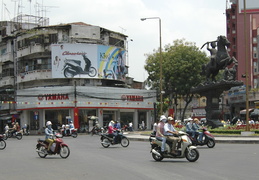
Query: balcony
34,75
7,81
33,48
6,57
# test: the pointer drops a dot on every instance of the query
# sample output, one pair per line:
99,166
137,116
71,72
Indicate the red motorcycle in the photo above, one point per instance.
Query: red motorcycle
58,147
2,142
208,139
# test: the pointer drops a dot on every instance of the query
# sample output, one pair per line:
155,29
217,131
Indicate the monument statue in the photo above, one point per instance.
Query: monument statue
219,59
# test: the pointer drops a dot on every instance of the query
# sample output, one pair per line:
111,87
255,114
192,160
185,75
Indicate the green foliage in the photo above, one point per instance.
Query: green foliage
181,67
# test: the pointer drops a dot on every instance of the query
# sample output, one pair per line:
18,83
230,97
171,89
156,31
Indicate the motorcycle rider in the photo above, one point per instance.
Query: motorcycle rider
14,128
49,134
111,132
170,131
160,132
195,128
189,129
71,127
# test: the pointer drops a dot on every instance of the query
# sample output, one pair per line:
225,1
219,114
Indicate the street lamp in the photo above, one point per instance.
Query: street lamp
160,51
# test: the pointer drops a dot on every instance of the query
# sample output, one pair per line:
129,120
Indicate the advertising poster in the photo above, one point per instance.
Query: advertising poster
74,60
111,62
88,61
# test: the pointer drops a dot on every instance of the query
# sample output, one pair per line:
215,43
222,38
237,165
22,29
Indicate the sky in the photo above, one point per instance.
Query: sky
196,21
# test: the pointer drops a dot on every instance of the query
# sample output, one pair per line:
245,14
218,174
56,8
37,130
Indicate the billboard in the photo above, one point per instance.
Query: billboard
88,61
252,6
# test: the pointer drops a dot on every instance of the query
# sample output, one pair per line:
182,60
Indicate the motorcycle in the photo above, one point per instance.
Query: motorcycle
58,147
108,139
10,134
2,142
73,67
184,149
25,131
208,139
97,131
73,134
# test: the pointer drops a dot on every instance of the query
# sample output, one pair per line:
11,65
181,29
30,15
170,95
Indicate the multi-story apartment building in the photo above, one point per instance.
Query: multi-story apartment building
68,71
238,23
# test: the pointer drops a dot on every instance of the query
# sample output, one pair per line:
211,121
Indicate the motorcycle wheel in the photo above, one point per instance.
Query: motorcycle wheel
211,143
2,144
64,152
124,142
105,142
192,155
5,136
19,136
92,72
155,156
68,73
41,152
74,134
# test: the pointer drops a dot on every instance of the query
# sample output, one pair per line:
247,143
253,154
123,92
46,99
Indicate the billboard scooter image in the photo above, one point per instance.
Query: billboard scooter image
73,67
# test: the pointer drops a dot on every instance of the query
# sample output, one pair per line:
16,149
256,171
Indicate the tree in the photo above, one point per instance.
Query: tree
181,67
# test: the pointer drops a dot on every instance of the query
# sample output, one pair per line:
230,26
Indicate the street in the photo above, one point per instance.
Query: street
89,160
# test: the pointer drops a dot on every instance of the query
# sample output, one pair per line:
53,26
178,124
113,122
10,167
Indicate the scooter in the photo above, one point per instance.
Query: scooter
58,147
109,139
66,132
73,67
184,149
2,142
208,139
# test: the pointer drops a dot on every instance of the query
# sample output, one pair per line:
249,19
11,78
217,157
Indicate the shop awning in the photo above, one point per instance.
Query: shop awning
244,111
5,117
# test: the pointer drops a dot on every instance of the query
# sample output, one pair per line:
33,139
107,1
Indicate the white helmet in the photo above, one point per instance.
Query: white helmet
48,123
170,118
162,117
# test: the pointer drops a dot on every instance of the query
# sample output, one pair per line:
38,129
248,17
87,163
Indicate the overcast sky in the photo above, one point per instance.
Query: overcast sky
196,21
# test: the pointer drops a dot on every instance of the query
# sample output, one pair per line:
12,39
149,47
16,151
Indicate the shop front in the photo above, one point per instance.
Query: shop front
60,104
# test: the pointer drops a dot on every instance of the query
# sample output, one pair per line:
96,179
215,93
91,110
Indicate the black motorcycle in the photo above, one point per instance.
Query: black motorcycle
11,134
97,130
109,139
2,142
73,67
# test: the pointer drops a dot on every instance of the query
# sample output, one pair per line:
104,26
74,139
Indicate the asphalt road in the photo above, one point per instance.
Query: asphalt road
89,160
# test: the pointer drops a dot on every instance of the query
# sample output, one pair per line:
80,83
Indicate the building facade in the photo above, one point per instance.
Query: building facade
68,72
238,23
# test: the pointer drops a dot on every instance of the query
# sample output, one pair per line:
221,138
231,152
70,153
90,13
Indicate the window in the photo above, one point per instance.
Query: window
254,40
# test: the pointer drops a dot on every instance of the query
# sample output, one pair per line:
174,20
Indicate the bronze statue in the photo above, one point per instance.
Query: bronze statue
220,58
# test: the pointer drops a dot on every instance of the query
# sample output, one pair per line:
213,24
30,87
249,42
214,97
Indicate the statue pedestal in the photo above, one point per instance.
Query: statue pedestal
212,92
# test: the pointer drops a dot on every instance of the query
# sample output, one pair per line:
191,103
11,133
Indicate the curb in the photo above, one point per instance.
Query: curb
220,141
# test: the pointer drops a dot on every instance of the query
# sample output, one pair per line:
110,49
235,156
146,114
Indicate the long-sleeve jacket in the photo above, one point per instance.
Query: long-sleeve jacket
48,133
195,127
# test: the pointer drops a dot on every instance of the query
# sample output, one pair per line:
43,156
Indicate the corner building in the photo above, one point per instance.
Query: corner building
68,71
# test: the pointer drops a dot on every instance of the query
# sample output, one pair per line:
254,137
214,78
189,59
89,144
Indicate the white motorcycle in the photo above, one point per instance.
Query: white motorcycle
184,149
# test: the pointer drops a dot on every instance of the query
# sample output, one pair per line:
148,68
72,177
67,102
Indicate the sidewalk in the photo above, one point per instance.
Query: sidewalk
137,136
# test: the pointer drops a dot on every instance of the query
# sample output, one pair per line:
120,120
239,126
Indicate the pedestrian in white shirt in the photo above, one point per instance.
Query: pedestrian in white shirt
170,131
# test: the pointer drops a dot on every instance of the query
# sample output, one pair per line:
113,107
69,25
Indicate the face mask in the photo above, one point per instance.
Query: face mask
164,120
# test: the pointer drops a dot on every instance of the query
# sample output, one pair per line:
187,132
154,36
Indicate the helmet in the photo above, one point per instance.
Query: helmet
162,117
48,123
170,118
